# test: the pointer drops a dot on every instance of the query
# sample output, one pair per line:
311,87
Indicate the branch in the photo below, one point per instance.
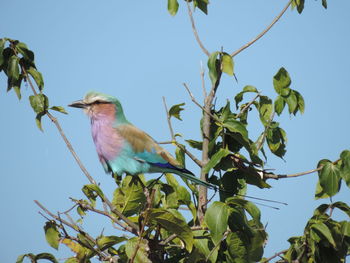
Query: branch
169,121
200,106
246,107
281,176
189,154
195,30
263,32
274,256
76,228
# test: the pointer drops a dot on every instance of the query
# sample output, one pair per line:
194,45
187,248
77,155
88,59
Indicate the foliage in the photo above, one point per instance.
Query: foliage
231,230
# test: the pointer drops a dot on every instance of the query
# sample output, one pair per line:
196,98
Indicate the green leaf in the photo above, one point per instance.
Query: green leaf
236,126
322,229
239,96
142,252
180,155
250,207
105,242
20,258
301,102
175,111
173,224
129,198
195,144
23,49
38,120
265,109
216,219
236,248
320,193
281,81
292,102
72,260
94,188
213,67
279,105
37,76
46,256
39,103
345,166
215,159
202,5
52,235
342,206
201,248
59,109
324,3
345,228
173,6
91,191
13,67
2,45
227,64
329,177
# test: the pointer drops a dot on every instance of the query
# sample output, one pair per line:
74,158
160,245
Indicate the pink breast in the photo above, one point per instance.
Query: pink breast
107,141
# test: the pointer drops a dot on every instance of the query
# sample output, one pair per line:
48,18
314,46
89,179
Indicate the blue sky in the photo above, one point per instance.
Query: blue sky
139,53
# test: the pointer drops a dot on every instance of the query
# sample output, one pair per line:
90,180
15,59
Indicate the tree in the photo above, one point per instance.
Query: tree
227,230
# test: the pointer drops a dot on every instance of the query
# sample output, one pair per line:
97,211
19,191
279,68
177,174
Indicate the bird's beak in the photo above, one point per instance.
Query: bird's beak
78,104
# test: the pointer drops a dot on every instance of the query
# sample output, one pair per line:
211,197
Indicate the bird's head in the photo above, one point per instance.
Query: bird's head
97,104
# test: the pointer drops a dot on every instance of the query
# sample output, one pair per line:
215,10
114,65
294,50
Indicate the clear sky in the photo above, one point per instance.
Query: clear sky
136,51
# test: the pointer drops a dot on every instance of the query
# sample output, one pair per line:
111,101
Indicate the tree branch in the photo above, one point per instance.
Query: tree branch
263,32
195,30
274,256
189,154
76,228
281,176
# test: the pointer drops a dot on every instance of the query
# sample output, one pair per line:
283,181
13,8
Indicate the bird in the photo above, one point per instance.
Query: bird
122,147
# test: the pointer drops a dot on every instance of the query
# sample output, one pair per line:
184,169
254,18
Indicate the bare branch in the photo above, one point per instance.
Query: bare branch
76,228
200,106
274,256
263,32
195,30
281,176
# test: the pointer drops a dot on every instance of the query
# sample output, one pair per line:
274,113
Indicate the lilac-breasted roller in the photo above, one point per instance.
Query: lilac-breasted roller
122,147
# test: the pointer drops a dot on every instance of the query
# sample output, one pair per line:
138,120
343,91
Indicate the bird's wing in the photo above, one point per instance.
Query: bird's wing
144,146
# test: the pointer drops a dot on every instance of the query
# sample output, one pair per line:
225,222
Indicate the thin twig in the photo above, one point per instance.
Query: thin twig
274,256
189,154
281,176
200,106
263,32
195,30
169,120
246,107
76,228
